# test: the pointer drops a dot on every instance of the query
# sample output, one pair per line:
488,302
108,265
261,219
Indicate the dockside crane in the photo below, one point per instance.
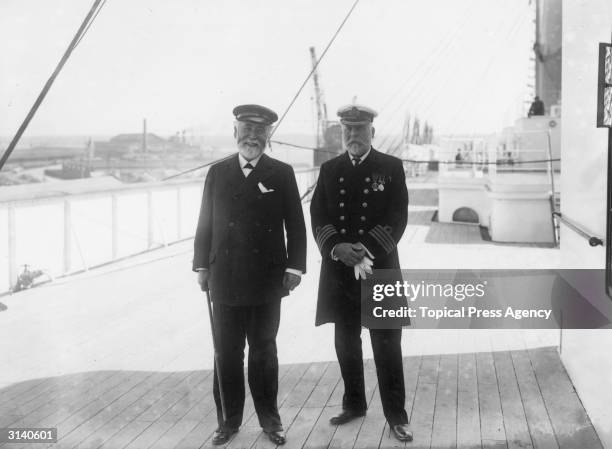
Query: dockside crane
328,132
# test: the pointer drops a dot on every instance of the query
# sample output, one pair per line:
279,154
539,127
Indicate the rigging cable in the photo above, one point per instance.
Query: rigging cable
419,96
199,167
90,22
457,116
75,40
294,97
423,96
435,59
510,32
301,147
314,68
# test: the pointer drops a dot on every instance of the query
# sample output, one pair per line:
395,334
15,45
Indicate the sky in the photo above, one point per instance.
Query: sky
462,65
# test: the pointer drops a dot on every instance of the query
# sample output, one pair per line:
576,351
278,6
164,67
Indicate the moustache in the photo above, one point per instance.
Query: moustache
251,142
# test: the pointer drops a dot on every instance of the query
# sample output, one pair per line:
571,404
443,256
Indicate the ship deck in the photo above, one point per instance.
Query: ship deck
120,356
507,399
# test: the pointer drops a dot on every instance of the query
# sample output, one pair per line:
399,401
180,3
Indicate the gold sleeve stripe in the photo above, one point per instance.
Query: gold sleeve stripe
383,238
325,233
381,241
324,236
387,234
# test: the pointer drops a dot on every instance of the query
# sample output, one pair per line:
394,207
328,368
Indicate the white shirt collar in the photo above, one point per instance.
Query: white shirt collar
361,158
253,162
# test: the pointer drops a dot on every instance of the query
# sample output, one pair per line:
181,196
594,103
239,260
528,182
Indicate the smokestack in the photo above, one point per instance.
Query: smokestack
144,135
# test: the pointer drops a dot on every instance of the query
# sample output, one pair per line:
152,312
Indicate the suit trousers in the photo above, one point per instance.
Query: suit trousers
258,325
386,345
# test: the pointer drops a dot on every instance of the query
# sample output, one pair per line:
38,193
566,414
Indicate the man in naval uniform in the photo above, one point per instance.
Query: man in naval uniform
240,253
359,211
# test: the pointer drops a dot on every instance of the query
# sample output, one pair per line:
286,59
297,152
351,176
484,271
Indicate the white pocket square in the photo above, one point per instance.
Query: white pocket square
263,188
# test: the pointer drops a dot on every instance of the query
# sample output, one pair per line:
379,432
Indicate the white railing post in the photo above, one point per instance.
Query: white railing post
114,227
179,208
67,236
150,222
13,269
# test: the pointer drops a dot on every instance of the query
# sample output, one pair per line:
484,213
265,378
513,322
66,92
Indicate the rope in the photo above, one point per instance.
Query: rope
469,164
199,167
466,163
308,190
301,147
75,40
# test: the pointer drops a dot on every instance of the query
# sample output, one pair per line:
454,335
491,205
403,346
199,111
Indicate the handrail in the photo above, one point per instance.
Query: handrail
593,240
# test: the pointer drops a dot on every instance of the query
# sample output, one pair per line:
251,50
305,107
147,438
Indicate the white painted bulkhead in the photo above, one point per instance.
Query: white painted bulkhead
587,354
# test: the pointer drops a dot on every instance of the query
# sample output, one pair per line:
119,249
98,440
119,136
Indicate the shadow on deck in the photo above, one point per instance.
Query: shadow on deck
504,399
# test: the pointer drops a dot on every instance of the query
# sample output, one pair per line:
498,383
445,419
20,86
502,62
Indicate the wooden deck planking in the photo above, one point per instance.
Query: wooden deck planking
18,409
540,428
373,431
492,431
13,391
517,399
80,405
412,366
171,411
346,435
468,410
289,375
16,399
294,402
200,433
422,417
444,433
515,422
251,430
69,401
302,426
372,425
327,384
124,423
322,431
112,419
570,422
167,391
61,386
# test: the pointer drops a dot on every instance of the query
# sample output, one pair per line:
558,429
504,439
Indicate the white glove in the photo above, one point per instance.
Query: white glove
363,267
359,273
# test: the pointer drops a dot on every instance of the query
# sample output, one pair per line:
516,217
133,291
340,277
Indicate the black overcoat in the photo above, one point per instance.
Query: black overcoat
240,236
368,204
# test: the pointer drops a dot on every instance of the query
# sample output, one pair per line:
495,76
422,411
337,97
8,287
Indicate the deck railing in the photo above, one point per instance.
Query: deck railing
67,234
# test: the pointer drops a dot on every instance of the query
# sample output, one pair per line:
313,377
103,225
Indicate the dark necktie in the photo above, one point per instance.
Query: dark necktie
356,161
249,166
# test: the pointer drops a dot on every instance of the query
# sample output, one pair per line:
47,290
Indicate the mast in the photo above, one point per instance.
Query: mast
548,51
321,108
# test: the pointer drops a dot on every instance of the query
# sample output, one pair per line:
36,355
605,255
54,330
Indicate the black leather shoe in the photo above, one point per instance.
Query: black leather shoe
277,436
401,432
223,435
345,416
